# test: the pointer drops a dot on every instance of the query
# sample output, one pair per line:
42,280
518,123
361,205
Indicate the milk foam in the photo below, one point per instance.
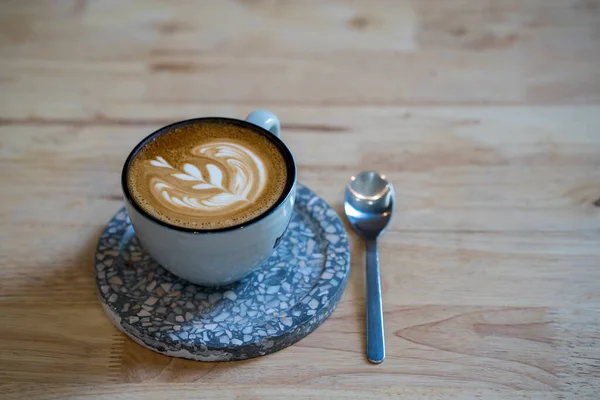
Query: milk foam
226,177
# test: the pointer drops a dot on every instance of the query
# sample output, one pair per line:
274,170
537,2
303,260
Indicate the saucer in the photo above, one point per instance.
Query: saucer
281,302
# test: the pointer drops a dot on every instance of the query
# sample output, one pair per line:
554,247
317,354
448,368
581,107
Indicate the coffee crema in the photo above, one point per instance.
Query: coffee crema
207,175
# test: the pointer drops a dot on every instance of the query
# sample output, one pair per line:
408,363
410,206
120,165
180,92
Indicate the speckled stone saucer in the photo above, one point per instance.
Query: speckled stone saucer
287,298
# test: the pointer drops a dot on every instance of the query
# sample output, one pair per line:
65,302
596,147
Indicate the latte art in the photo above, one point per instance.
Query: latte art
207,175
230,177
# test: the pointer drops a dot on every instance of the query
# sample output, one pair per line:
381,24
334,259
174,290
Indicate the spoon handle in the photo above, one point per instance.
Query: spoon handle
375,338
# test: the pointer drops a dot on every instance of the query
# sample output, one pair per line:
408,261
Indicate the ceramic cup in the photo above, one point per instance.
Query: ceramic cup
220,256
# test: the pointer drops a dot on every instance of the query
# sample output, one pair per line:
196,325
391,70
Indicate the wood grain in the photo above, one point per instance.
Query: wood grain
485,115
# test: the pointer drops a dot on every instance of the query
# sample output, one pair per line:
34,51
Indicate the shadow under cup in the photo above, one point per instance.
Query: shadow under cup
214,257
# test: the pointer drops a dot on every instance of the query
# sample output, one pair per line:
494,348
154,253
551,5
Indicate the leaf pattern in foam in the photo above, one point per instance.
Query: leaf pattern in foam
185,177
203,186
221,199
215,175
160,162
192,170
211,194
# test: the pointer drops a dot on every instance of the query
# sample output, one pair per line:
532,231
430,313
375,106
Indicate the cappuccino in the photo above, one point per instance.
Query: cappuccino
207,174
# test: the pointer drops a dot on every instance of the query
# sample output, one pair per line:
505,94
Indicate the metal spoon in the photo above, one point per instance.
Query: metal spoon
369,203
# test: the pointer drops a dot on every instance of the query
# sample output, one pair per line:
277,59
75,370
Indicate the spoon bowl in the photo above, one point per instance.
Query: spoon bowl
369,203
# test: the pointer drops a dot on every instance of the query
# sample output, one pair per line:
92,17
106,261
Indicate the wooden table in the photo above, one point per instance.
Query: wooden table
484,114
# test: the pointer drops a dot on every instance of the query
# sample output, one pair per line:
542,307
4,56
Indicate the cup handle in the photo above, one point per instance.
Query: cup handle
266,120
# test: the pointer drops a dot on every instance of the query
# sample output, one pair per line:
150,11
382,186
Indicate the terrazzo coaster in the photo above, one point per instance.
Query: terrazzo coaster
281,302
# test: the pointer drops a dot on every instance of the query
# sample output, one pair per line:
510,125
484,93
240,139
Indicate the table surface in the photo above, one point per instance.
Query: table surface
484,114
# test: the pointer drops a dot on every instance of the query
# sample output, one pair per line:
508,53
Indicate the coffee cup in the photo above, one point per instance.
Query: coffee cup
210,198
